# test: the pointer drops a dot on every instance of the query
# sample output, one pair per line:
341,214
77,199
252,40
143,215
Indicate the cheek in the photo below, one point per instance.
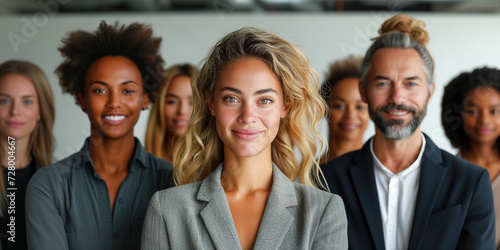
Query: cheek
468,123
336,115
271,119
363,115
224,117
4,112
169,112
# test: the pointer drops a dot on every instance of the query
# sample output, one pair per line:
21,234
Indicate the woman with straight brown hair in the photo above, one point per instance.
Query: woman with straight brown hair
26,144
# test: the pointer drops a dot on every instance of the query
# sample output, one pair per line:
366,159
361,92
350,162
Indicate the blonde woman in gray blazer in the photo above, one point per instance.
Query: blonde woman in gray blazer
255,100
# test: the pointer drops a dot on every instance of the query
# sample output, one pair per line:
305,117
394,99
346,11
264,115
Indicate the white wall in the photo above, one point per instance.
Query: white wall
458,43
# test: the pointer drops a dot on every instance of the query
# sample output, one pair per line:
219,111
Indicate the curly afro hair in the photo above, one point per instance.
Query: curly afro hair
453,98
345,68
135,42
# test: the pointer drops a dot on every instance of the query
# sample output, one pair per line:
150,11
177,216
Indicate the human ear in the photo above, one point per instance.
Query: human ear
145,101
431,92
210,103
362,91
286,108
81,101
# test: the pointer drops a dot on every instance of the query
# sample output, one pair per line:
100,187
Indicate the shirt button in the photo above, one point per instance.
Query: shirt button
120,201
117,235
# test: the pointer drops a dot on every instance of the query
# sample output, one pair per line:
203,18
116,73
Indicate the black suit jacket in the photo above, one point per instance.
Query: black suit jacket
453,210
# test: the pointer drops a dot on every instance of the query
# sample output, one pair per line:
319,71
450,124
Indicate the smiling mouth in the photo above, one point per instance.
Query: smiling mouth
484,131
397,113
15,124
247,134
180,123
349,126
114,117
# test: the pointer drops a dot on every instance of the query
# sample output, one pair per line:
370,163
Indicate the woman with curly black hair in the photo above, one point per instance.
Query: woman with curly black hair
471,120
97,198
347,115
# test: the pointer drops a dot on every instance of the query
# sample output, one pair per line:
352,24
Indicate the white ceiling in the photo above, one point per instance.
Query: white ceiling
27,6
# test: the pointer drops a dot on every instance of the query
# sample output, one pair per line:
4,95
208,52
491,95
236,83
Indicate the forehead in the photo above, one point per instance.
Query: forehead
397,63
483,95
248,74
180,83
113,69
17,85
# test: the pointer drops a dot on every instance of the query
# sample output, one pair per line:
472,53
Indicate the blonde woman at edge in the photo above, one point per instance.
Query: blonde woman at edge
255,100
170,114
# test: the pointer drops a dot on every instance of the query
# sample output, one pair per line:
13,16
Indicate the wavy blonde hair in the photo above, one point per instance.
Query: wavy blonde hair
201,151
156,134
41,142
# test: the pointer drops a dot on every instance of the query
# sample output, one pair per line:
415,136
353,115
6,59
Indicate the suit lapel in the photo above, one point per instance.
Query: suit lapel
363,177
432,174
276,220
216,215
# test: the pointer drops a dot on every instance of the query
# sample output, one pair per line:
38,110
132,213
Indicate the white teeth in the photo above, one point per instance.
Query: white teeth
181,122
114,117
398,113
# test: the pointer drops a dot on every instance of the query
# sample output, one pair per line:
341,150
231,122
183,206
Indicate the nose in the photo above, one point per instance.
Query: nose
247,114
397,95
114,100
349,111
184,108
15,109
484,117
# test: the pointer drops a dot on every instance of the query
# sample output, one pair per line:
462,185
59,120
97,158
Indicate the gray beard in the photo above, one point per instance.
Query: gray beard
394,129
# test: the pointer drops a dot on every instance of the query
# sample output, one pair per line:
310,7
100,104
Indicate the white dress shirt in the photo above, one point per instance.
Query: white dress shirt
397,195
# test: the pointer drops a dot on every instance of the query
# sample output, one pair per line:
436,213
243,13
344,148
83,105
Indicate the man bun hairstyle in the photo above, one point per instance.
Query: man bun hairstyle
401,31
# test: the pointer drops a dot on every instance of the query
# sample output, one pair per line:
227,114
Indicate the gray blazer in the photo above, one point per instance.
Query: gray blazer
197,216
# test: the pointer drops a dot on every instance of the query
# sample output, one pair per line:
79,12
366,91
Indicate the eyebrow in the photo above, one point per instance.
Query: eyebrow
338,98
472,104
387,78
258,92
24,96
171,95
412,78
103,83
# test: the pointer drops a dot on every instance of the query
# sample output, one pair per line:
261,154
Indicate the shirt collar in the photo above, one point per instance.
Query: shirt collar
140,154
414,166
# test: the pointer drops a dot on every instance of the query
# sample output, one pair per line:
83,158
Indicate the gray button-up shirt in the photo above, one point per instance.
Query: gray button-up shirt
67,203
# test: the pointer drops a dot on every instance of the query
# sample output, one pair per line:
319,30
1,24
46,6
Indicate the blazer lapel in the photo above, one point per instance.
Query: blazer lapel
216,215
276,220
432,174
363,177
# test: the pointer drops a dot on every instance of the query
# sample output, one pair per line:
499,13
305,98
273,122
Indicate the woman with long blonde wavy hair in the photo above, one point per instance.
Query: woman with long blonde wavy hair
255,101
170,114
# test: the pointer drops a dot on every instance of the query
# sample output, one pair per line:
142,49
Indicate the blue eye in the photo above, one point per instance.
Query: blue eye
412,84
4,101
361,107
495,112
28,102
171,102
